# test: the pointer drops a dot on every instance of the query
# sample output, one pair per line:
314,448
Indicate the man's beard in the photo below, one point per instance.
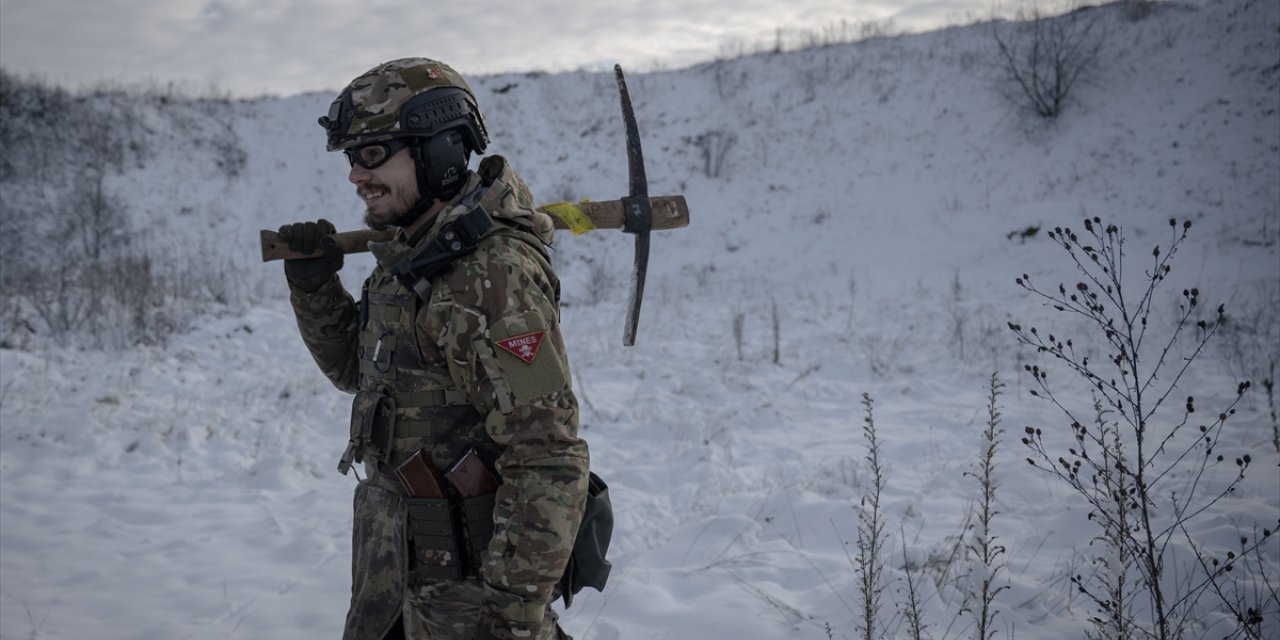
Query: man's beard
400,214
401,220
380,222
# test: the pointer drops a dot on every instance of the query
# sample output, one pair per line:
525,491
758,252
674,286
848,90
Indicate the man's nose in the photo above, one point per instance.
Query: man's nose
358,174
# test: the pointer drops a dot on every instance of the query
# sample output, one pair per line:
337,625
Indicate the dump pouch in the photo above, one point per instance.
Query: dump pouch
587,564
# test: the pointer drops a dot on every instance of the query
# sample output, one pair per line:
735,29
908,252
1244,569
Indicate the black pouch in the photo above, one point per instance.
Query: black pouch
587,565
435,539
372,429
477,514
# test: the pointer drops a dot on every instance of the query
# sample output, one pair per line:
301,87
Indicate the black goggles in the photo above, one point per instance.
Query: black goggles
372,155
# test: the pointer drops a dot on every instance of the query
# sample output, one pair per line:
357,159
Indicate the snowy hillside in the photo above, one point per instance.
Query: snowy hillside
868,200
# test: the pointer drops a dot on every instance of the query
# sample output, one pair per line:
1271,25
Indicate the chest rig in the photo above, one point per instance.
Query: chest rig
408,403
407,400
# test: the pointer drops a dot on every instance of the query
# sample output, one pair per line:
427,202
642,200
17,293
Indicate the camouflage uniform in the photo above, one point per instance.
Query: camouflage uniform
444,373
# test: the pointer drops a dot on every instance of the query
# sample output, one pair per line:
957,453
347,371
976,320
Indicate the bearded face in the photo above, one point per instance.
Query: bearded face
388,191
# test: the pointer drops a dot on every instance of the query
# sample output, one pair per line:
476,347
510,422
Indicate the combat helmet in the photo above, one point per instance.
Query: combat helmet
418,101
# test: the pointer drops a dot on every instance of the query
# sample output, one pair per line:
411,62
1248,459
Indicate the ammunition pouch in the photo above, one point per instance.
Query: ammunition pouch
450,537
435,538
587,565
477,523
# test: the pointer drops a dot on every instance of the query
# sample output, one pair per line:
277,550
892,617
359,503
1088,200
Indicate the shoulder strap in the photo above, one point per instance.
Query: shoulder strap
457,238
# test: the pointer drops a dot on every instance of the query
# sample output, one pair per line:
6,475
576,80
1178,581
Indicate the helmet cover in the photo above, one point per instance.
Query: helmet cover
377,105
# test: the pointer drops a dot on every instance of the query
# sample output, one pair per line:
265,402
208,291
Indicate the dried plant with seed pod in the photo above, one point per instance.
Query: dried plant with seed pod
1144,461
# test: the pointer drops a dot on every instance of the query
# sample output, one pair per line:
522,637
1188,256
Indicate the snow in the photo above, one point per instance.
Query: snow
188,490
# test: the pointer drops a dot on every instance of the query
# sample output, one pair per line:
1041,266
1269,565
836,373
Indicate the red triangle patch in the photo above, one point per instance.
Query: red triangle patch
524,346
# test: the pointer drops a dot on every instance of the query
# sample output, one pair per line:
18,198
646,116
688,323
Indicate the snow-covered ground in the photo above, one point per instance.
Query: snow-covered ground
860,196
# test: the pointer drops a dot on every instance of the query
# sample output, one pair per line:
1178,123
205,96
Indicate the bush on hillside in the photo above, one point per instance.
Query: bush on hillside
1044,57
76,270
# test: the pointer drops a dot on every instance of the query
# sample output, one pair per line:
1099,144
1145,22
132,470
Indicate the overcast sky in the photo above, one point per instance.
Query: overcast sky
284,47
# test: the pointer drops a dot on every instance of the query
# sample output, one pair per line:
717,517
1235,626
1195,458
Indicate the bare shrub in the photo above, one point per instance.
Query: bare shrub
714,146
987,552
882,352
1250,606
1137,10
871,541
229,155
1145,474
1044,57
739,323
1245,352
77,271
603,280
912,608
959,317
781,40
22,105
775,320
1249,334
95,284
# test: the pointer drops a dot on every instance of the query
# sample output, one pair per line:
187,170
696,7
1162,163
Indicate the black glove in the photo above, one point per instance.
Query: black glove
309,274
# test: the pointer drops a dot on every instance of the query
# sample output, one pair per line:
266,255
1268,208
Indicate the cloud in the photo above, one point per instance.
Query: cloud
289,46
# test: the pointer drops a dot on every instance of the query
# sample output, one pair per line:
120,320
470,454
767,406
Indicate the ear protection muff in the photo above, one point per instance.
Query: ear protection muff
441,162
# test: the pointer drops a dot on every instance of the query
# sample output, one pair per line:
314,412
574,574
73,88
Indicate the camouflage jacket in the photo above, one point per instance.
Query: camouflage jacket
489,329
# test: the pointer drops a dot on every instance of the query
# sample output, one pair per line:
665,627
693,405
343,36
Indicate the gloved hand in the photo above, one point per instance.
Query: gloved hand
309,274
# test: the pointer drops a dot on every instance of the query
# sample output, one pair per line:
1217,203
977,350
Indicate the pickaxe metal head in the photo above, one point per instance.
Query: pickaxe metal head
638,211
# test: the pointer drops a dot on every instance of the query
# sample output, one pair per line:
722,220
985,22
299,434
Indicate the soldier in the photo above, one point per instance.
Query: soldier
454,346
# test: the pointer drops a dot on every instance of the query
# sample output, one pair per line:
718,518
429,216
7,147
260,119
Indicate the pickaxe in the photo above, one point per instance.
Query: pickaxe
637,214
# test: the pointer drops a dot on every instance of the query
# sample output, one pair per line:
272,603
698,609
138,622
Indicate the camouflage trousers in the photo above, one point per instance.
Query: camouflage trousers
451,611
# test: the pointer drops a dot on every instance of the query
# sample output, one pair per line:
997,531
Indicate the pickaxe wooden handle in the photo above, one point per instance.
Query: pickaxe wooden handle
669,212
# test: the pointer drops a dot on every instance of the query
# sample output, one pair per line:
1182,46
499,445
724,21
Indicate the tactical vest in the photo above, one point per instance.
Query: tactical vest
408,403
416,403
